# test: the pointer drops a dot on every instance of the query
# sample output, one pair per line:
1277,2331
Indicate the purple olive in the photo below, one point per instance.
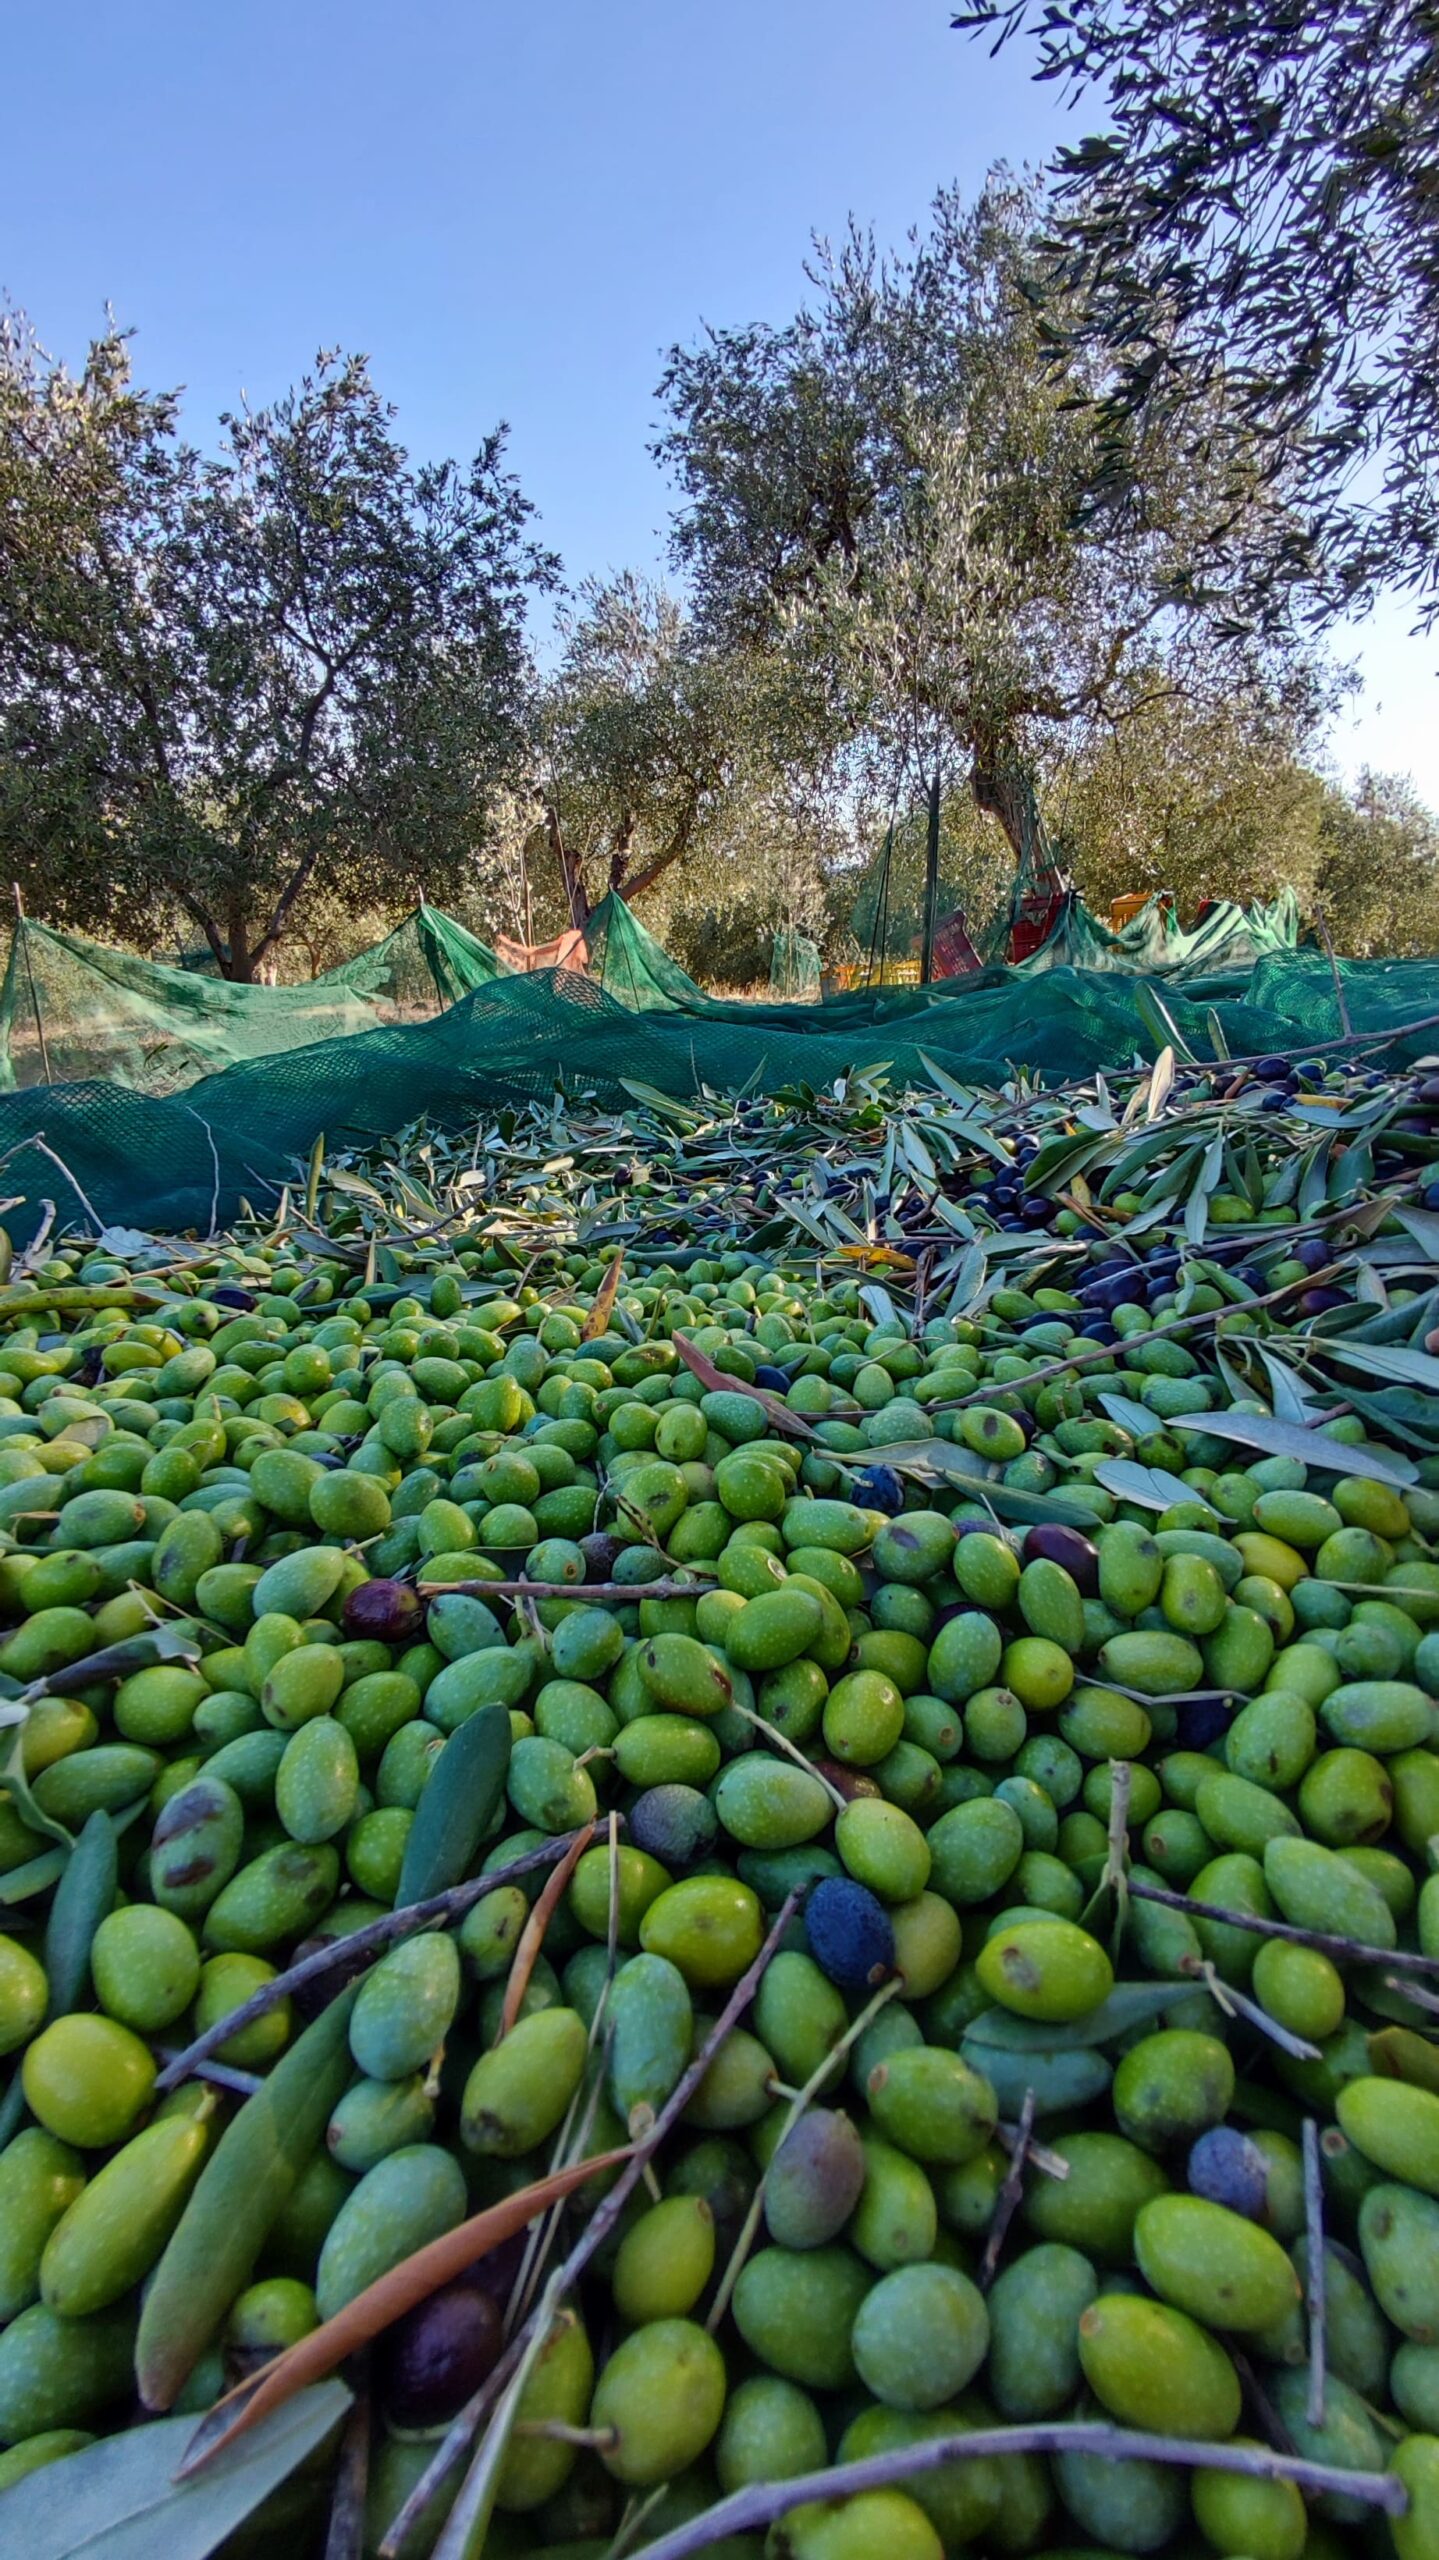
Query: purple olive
601,1550
433,2358
1056,1543
1315,1302
852,1783
496,2271
390,1610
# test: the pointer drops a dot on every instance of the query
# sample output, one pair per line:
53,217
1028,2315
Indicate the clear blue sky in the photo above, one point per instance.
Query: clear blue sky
512,205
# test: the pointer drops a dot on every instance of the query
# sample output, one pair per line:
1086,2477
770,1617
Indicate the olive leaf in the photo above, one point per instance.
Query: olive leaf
1288,1440
1128,2005
1059,2082
1291,1402
1160,1083
239,2193
1388,1360
941,1461
83,1897
972,1131
1129,1414
1159,1022
1152,1487
37,1875
718,1381
1062,1158
1408,1414
598,1318
1422,1225
119,2499
463,1789
1352,1173
968,1281
1206,1181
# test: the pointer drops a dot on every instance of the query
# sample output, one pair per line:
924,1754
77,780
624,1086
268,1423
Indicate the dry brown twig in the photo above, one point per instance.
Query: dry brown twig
674,1587
751,2510
454,2445
532,1936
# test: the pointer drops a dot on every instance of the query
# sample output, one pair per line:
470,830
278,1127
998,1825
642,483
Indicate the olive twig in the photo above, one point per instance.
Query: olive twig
221,2075
1007,2201
675,1587
376,1934
1236,2004
345,2536
1314,2234
1412,1992
1208,1316
559,2431
1328,1941
1051,2164
799,2100
750,2510
601,2223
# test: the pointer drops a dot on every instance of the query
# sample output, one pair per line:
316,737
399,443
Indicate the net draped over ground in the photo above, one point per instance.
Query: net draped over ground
170,1162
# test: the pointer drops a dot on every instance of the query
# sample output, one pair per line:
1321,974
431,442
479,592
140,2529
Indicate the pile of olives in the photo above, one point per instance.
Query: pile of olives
1013,2129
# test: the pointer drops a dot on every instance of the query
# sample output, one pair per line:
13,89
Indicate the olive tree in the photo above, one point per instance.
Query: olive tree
907,491
1253,224
293,669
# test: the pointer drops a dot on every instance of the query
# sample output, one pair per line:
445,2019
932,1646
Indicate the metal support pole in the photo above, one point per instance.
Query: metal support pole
931,883
30,974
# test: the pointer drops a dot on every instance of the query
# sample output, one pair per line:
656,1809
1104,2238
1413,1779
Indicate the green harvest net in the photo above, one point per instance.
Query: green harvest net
1154,943
1040,921
794,971
72,1009
186,1160
626,962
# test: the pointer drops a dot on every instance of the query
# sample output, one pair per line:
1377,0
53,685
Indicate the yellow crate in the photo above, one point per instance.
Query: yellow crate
1125,909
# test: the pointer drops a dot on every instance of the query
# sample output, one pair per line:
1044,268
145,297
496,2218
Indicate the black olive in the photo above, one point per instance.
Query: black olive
433,2358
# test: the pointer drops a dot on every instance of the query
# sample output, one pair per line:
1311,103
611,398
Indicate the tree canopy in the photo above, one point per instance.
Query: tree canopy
297,666
906,491
1254,234
663,748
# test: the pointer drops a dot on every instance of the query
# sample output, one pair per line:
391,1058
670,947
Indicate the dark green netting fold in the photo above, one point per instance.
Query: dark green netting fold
178,1161
794,970
626,961
1155,944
